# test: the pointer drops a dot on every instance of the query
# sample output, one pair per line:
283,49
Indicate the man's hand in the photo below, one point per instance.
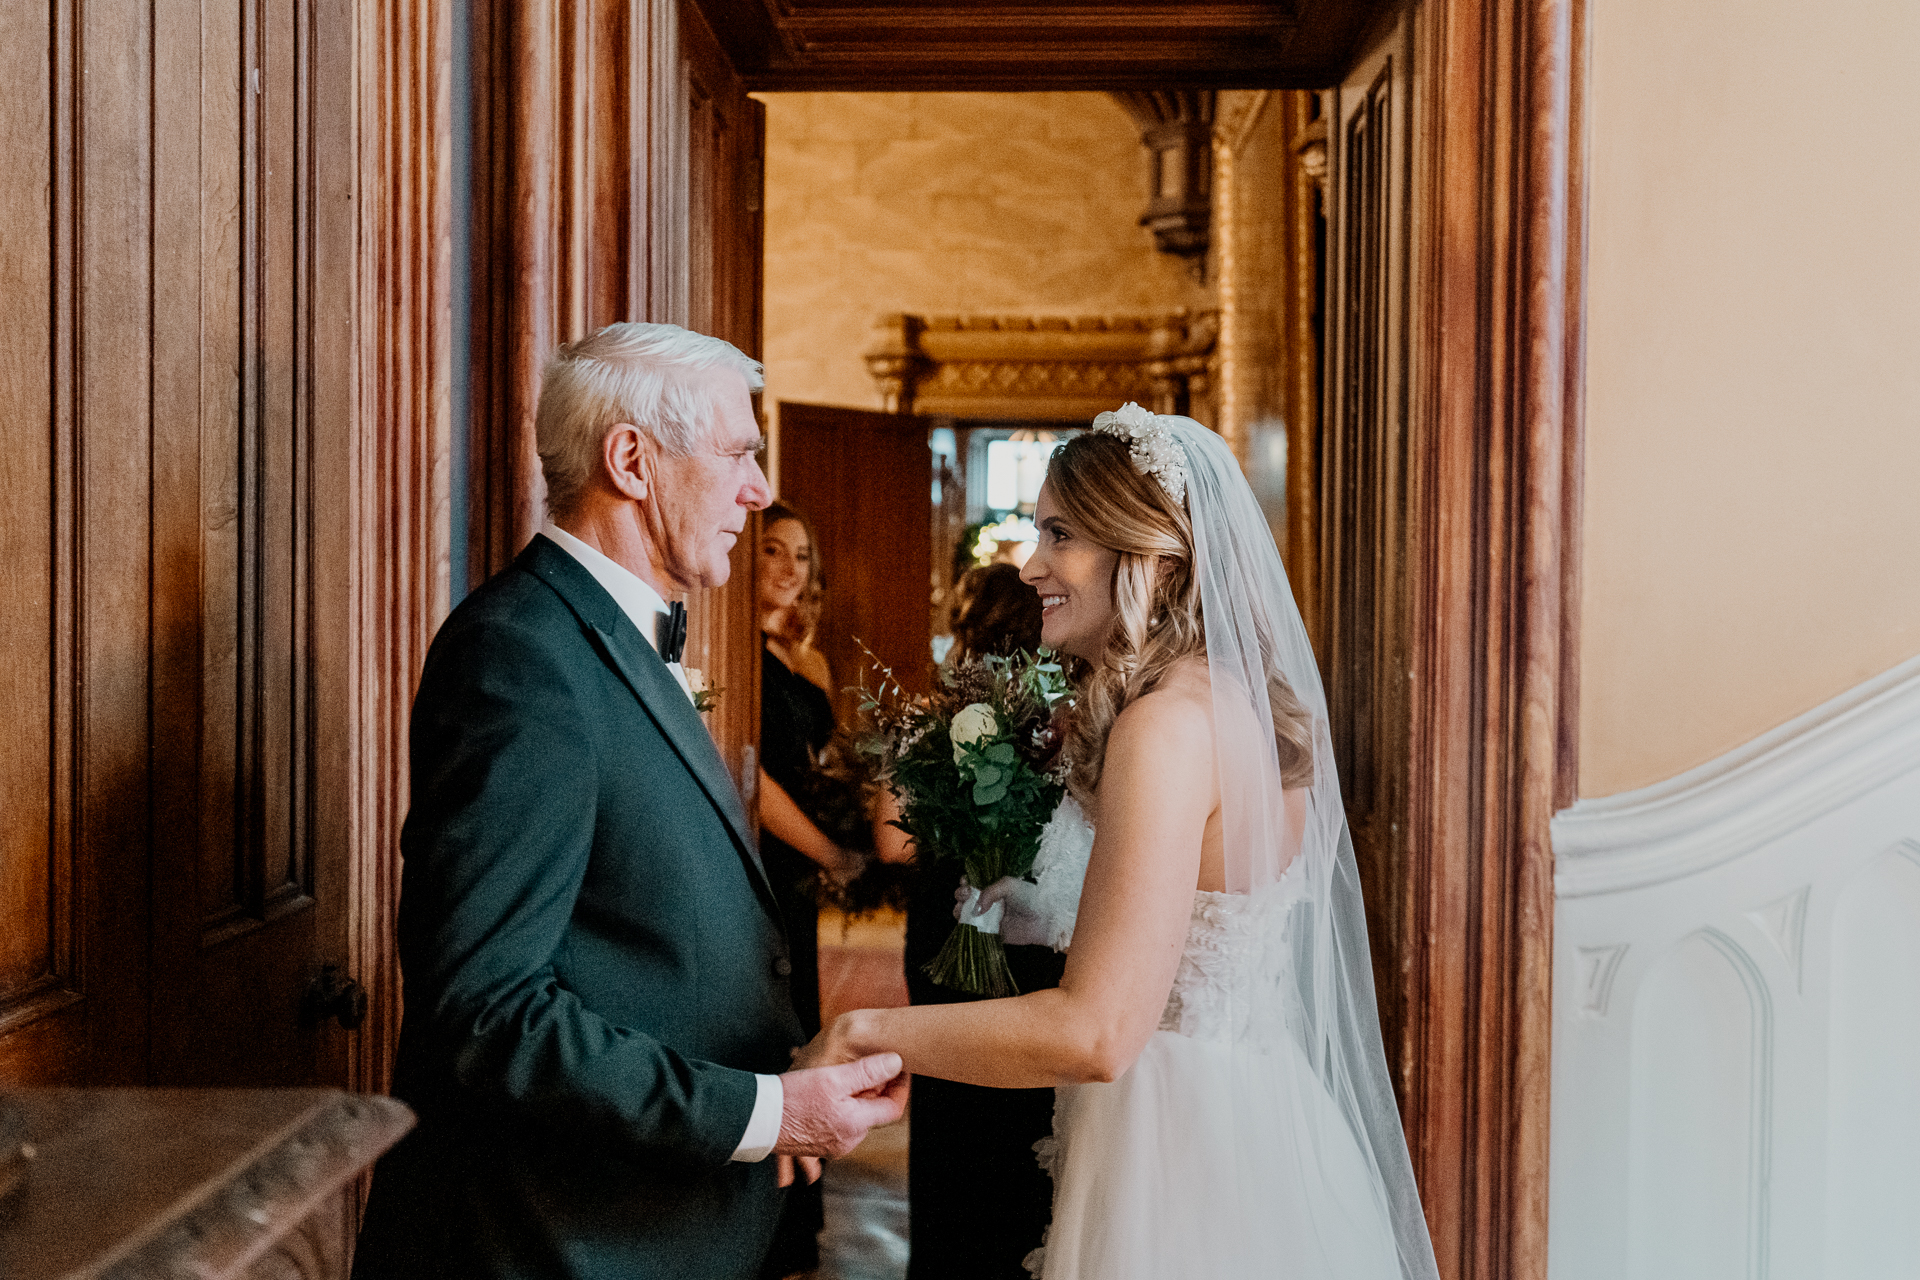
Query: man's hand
829,1109
808,1166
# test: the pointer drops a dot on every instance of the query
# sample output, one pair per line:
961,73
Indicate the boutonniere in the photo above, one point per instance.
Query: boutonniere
705,696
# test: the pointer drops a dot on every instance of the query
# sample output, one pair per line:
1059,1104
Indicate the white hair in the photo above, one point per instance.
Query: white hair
627,372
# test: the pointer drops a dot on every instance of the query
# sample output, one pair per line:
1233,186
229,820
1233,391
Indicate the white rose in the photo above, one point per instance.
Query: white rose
969,726
696,679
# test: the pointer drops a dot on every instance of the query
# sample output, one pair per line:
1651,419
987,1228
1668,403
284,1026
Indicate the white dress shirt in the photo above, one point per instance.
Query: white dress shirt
643,605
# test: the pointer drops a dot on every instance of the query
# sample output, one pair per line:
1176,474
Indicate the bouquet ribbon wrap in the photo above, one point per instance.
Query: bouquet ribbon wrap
987,921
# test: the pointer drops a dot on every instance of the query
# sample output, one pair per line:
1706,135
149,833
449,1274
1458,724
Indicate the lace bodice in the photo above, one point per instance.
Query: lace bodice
1234,941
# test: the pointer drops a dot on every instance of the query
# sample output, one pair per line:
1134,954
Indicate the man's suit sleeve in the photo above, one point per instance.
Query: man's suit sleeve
496,846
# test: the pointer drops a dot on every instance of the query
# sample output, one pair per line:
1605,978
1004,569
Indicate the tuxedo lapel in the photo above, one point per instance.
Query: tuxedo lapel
639,667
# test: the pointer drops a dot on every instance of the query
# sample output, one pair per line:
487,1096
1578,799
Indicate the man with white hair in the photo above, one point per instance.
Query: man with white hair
597,1014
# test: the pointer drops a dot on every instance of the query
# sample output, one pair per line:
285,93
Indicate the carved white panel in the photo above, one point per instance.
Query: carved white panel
1698,1095
1784,921
1736,1060
1873,1074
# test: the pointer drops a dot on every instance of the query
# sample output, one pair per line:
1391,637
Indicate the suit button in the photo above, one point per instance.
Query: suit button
782,967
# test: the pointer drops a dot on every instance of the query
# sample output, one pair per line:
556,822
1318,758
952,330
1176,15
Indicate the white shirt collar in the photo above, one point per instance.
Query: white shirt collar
640,602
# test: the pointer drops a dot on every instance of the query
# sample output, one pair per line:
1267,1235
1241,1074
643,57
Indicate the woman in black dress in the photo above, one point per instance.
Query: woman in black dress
796,725
978,1199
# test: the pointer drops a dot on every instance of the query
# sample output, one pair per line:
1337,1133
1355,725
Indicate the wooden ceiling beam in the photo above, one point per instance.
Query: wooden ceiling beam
819,45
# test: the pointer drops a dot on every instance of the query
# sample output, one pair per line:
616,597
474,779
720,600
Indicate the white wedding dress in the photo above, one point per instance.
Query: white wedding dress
1220,1154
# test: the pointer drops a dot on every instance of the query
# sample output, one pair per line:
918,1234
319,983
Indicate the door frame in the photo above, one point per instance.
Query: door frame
1493,527
1495,473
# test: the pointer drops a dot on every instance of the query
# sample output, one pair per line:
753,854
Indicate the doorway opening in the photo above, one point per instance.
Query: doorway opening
955,284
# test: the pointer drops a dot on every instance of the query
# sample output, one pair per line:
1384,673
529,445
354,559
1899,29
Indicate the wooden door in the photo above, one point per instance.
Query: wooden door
250,394
178,332
866,481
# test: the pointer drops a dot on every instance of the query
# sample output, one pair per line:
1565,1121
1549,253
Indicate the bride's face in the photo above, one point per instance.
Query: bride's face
1074,576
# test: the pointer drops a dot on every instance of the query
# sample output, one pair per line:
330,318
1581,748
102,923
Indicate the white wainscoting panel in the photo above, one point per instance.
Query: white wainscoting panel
1736,1053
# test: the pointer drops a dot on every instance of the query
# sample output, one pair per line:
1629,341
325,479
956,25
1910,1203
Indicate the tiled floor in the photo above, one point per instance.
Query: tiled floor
865,1237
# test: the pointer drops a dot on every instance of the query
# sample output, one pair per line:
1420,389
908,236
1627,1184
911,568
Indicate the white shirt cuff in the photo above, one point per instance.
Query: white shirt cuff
763,1126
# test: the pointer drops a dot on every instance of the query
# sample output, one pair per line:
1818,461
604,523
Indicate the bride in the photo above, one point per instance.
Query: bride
1222,1105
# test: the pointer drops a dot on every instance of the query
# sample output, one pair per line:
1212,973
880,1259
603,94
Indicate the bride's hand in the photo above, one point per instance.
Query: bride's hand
830,1048
1022,924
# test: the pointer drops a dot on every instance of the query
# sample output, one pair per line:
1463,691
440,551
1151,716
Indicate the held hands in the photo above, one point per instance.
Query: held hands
1022,924
830,1108
847,869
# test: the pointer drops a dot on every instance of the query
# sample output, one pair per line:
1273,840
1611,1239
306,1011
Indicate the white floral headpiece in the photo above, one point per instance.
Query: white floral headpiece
1155,452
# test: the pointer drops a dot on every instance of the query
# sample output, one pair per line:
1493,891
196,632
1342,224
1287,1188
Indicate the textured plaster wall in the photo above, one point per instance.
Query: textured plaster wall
944,204
1752,539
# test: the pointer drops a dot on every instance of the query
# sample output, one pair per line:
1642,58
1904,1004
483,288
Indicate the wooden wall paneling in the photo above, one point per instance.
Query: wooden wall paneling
1574,412
569,126
492,269
660,264
629,158
74,262
1489,570
386,552
1305,230
39,946
356,865
111,446
534,308
725,133
1363,539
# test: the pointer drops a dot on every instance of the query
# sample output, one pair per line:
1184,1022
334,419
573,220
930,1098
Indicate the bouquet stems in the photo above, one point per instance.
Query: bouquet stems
973,962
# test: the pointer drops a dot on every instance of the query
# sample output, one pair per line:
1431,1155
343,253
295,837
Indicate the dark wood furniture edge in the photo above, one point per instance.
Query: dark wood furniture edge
228,1221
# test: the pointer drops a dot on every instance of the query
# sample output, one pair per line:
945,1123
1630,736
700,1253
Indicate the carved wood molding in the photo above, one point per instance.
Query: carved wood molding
1495,446
1043,368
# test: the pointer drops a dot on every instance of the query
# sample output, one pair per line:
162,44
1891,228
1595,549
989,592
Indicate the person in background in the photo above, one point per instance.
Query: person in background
978,1199
796,724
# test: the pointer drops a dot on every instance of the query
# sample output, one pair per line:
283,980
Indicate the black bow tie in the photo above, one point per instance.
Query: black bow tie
670,628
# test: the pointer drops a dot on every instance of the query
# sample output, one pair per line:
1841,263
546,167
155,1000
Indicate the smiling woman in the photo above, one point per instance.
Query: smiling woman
796,726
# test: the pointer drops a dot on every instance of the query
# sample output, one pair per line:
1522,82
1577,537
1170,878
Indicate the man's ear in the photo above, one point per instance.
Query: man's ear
629,454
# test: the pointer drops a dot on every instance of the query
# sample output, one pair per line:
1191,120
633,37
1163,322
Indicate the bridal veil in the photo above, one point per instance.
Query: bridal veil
1289,843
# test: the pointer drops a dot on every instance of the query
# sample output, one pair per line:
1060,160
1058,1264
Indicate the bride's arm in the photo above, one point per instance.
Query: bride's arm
1156,793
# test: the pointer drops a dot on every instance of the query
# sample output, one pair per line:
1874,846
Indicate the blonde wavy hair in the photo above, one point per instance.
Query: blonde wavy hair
1156,596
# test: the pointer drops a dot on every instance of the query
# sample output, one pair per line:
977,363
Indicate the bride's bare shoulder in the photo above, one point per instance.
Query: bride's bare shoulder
1177,714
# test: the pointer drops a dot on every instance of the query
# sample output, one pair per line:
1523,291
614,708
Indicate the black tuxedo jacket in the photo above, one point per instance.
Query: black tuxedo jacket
593,962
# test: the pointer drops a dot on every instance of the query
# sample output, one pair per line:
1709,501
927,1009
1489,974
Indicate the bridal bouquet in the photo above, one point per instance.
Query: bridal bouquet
977,768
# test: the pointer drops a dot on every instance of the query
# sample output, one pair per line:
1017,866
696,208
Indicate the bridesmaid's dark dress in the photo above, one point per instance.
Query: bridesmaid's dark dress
979,1201
796,722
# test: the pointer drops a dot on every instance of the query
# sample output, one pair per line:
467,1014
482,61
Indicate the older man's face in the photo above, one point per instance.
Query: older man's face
700,503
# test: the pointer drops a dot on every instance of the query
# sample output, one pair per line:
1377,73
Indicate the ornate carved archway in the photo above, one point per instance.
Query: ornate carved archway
1040,368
